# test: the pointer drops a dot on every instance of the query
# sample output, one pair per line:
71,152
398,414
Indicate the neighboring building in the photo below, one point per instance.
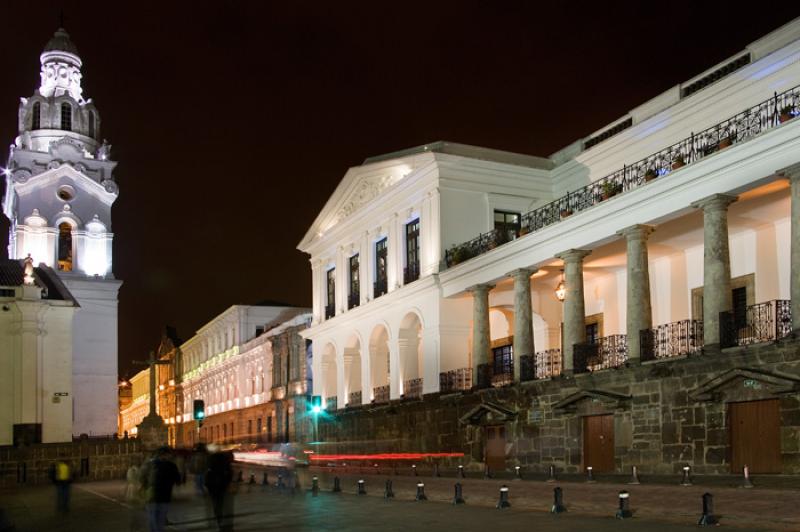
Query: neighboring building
59,192
139,404
438,269
36,388
170,393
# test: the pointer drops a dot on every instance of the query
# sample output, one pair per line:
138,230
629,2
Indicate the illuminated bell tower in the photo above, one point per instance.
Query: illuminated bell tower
59,191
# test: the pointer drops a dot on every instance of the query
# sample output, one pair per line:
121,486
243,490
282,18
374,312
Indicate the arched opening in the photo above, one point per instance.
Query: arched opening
329,378
66,116
91,123
352,371
36,116
64,247
409,343
379,364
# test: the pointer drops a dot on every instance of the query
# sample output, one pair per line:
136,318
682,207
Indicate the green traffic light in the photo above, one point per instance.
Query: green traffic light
316,409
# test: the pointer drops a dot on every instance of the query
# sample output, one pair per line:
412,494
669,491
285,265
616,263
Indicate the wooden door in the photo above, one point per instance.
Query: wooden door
496,447
755,436
598,442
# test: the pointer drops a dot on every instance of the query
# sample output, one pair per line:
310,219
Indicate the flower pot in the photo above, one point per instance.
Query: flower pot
524,230
678,164
785,117
724,143
649,177
566,212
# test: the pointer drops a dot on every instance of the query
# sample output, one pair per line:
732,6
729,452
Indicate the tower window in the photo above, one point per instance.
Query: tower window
91,124
36,116
66,117
64,247
381,278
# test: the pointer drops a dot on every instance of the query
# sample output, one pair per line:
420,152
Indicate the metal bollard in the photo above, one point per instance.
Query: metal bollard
414,469
634,476
590,475
337,485
377,472
517,473
361,488
746,482
551,474
436,470
487,473
558,502
420,492
265,479
687,479
624,510
461,471
503,502
314,486
387,492
459,496
708,519
252,478
240,477
280,485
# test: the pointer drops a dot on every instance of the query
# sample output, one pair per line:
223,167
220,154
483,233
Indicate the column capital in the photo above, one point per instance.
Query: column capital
715,202
480,288
573,255
792,173
522,272
637,232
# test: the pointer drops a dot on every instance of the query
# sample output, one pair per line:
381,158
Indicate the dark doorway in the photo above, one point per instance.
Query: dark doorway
496,447
598,442
755,436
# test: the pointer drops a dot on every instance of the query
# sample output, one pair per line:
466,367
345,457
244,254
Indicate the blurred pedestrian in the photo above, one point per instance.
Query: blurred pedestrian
61,475
218,481
198,465
158,476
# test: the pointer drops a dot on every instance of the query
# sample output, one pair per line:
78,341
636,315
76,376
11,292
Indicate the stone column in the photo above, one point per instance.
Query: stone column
716,263
574,307
639,312
523,326
480,328
794,275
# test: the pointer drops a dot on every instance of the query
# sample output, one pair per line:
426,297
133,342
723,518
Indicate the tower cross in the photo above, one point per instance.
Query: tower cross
151,363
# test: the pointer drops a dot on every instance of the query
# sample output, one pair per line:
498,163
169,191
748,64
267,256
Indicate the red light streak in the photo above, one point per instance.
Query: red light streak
383,456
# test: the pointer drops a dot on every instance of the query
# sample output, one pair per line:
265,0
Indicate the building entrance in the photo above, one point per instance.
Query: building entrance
755,436
598,442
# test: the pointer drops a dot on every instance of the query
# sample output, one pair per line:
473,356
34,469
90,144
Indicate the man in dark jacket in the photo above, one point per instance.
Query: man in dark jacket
158,477
218,480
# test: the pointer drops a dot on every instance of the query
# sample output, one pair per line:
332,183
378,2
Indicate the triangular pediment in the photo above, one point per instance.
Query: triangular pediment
487,413
608,399
745,379
66,174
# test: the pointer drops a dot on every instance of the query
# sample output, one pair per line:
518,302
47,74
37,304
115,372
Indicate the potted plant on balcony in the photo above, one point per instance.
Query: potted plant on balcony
727,141
785,114
678,162
566,211
610,189
650,174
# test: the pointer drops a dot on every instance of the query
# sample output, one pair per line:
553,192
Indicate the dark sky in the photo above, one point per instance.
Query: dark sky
233,122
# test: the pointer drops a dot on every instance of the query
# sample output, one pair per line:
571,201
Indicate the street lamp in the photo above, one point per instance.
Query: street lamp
561,289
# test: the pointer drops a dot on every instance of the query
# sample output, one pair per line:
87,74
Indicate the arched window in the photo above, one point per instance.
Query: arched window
36,116
64,247
91,124
66,116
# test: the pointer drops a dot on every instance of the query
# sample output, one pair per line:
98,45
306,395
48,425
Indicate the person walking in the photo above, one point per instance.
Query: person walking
61,475
218,481
158,476
198,466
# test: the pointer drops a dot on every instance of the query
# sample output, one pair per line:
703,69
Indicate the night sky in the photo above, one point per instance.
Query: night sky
234,122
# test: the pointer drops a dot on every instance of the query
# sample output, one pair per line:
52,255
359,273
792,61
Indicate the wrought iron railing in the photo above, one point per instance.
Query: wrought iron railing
745,125
330,403
762,322
380,394
671,340
412,388
354,399
455,380
495,375
607,352
379,287
353,300
329,311
411,273
541,365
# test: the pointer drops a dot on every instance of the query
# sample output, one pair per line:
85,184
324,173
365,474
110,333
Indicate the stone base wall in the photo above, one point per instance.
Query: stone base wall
88,460
667,414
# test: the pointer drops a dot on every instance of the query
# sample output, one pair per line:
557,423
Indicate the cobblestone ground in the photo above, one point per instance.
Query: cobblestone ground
99,506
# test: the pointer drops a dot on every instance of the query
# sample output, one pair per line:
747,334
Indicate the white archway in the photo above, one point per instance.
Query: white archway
409,347
379,363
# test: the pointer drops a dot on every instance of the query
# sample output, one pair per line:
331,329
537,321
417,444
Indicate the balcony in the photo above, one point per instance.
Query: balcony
412,389
330,311
496,375
411,273
671,340
354,399
330,403
380,394
541,365
379,287
455,380
353,300
749,123
762,322
607,352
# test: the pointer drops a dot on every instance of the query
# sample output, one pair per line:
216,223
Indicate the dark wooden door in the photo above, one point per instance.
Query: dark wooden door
598,442
496,447
755,436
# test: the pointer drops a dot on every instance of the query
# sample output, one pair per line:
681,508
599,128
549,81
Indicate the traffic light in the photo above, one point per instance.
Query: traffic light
199,410
316,404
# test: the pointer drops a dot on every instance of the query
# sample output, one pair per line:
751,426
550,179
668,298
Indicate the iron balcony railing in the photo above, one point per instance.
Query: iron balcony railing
762,322
412,388
329,311
354,398
353,300
671,340
541,365
379,287
607,352
455,380
411,273
745,125
330,403
380,394
496,374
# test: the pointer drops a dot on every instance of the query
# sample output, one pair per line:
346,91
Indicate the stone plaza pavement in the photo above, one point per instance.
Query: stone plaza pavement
99,506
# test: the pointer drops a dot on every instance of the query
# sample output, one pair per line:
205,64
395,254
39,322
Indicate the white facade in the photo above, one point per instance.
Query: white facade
426,327
59,192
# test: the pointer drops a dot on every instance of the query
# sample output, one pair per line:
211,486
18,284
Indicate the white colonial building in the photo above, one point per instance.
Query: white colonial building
436,268
59,192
